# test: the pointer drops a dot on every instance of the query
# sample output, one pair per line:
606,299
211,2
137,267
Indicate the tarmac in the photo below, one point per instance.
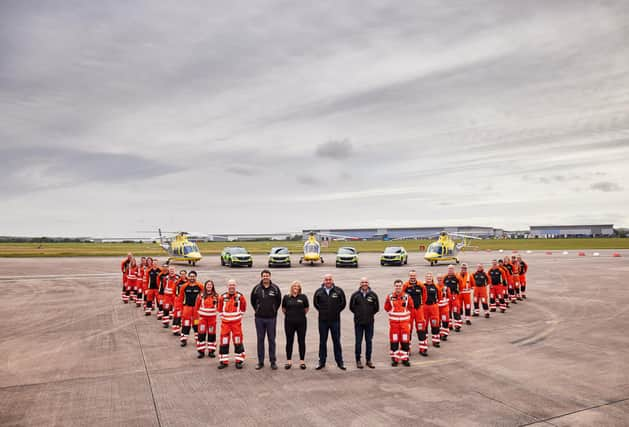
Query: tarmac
72,353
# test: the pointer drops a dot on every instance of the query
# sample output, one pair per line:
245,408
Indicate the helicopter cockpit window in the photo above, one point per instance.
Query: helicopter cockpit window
310,248
190,248
435,248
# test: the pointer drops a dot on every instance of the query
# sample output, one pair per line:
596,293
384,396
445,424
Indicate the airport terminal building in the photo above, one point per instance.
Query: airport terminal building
566,231
405,232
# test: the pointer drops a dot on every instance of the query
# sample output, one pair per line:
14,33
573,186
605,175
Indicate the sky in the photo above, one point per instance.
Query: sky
274,116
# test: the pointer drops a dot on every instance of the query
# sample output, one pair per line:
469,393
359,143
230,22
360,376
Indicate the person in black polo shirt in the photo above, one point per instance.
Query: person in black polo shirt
265,300
295,307
329,300
364,304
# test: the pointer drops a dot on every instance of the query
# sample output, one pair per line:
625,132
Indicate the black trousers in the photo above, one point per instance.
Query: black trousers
292,328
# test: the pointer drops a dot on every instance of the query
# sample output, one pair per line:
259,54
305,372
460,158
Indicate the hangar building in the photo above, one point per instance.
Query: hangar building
565,231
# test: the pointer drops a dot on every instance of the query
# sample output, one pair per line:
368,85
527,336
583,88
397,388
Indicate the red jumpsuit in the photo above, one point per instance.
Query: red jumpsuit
510,288
453,282
177,312
480,281
444,310
188,294
152,287
431,312
399,307
515,269
231,307
132,282
465,297
418,293
126,291
168,299
496,289
206,308
523,269
160,294
141,286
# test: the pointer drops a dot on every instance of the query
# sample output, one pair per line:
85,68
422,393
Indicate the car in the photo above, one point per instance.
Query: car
279,257
394,255
347,256
236,256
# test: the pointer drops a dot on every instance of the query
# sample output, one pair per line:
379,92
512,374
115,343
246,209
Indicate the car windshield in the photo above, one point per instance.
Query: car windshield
346,251
279,251
435,248
393,250
192,247
238,251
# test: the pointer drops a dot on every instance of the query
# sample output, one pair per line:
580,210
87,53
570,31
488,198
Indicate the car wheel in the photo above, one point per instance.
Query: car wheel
301,260
406,260
356,265
382,263
222,262
270,265
250,265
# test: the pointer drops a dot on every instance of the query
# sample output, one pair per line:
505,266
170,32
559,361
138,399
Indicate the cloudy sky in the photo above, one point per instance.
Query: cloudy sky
276,116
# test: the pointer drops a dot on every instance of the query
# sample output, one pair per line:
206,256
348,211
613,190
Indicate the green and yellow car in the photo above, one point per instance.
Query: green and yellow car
395,255
236,256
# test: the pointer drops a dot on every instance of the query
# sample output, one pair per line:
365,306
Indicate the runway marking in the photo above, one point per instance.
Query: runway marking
546,420
510,407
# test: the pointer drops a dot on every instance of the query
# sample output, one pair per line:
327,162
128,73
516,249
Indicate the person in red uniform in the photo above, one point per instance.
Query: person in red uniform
506,264
465,297
453,282
160,294
152,286
188,294
444,308
231,306
168,299
431,309
124,267
480,281
496,288
399,305
515,266
144,266
132,280
206,309
523,269
506,284
177,311
415,289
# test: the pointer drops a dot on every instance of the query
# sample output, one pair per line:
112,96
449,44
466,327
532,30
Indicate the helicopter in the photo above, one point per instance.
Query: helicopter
446,249
312,251
179,248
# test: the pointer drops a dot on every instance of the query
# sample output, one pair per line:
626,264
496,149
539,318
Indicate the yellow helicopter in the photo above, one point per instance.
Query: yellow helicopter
179,248
446,249
312,251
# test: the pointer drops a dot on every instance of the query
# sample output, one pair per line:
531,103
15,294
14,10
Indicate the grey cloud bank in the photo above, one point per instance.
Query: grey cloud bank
275,116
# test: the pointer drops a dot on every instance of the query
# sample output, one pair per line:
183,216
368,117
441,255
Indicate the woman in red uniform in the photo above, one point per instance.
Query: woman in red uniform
444,308
178,307
206,309
132,280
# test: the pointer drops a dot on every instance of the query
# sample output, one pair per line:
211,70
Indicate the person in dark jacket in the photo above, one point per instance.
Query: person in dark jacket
329,300
295,306
364,304
266,299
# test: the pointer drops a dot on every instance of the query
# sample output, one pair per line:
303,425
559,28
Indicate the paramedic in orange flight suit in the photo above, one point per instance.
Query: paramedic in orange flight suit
480,280
231,306
188,294
399,305
444,308
465,297
416,290
523,269
124,267
431,309
453,282
177,311
206,309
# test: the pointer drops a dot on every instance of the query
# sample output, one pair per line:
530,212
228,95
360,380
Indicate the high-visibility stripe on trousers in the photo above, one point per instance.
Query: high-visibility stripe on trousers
399,337
231,332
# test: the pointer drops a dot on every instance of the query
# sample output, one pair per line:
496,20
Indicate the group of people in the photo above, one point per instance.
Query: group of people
435,306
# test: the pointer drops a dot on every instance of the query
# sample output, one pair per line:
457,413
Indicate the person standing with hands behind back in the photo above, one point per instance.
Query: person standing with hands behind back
330,300
364,304
295,306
